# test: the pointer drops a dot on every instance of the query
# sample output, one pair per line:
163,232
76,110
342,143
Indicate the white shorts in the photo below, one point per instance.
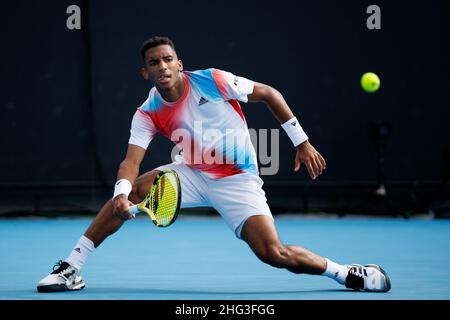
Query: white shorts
236,197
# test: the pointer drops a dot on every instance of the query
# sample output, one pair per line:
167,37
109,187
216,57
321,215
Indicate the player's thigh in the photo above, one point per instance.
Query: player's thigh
192,185
142,185
261,235
237,198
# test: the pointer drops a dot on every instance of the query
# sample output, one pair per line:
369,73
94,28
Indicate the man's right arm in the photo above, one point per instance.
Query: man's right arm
128,170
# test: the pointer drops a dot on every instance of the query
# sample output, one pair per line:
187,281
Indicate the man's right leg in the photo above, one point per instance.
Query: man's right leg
67,276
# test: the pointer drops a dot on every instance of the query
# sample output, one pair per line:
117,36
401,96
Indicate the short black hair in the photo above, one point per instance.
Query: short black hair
154,42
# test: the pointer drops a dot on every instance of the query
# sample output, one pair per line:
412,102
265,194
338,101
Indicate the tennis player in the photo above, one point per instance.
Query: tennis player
200,113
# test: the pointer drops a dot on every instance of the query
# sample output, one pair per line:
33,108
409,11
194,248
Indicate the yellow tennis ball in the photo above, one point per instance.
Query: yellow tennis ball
370,82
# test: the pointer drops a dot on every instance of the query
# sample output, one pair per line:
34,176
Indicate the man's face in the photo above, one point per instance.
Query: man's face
162,67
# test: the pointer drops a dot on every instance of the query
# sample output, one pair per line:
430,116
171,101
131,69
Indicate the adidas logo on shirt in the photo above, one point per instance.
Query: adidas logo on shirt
202,101
77,250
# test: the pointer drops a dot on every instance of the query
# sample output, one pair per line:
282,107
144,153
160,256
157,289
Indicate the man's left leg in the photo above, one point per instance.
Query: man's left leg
260,234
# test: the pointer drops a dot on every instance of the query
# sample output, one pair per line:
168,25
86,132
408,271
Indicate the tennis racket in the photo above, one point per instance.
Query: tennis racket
162,202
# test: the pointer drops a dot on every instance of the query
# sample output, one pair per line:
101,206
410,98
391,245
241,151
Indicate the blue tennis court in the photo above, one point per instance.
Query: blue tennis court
199,258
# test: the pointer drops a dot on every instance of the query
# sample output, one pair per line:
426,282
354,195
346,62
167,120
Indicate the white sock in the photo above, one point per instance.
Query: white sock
80,252
336,271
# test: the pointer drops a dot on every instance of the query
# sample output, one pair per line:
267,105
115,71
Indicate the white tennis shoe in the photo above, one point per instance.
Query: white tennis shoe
370,277
64,278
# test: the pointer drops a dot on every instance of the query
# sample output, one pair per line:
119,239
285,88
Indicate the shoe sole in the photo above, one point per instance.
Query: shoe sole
388,281
60,288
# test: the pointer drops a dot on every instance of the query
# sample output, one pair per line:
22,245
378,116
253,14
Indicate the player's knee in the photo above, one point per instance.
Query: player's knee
141,186
273,255
134,194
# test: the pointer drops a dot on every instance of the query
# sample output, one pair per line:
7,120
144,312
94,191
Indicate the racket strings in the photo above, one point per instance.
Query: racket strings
165,200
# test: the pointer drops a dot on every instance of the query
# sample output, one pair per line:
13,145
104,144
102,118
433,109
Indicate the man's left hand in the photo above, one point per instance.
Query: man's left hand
313,160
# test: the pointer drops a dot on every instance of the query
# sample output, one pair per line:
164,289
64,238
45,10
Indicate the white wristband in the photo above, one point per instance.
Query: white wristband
295,131
122,186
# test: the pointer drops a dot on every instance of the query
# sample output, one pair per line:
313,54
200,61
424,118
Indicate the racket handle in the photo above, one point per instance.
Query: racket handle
134,210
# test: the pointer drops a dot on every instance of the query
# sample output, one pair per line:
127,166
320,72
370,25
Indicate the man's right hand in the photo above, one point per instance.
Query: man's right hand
121,207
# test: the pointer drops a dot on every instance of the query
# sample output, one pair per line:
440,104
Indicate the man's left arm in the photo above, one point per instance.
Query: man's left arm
306,153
